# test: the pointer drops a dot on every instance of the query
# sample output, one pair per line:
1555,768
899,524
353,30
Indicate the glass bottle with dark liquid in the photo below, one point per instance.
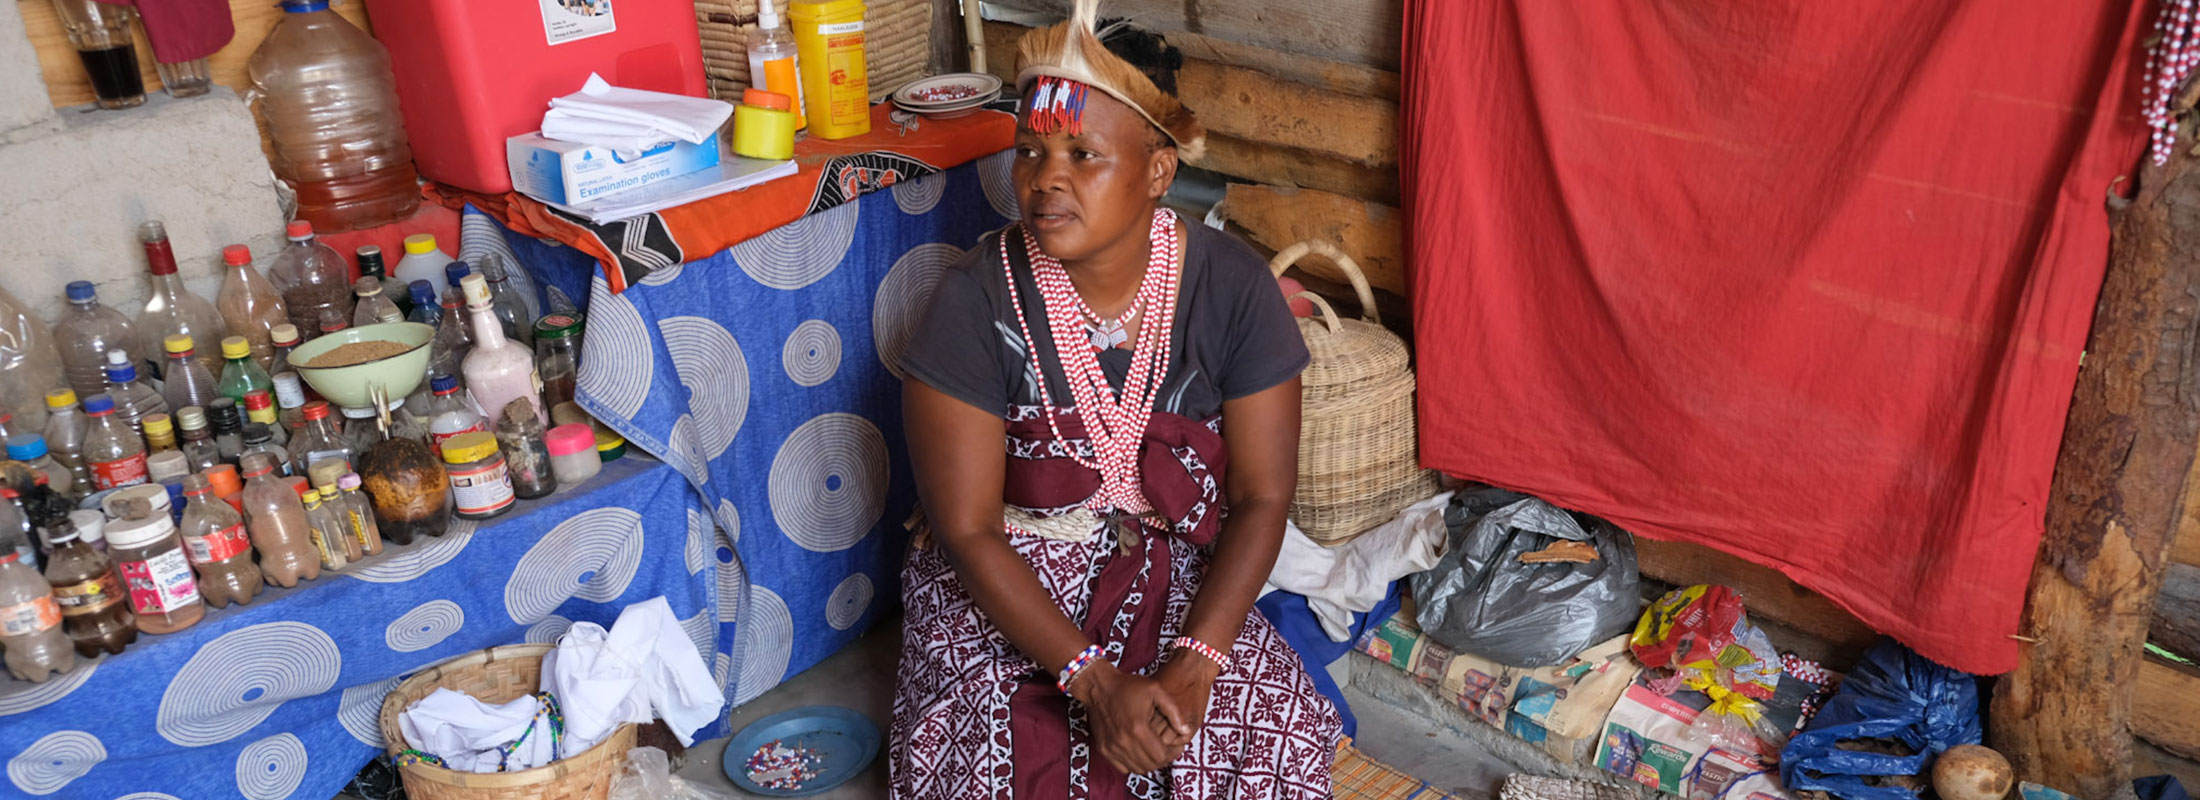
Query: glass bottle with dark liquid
102,36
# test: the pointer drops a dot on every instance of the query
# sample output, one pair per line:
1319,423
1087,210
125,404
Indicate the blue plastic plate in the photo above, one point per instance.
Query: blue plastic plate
844,739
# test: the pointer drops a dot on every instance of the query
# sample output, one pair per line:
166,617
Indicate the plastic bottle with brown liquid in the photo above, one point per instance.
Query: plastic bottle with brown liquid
277,520
93,611
220,547
30,623
325,91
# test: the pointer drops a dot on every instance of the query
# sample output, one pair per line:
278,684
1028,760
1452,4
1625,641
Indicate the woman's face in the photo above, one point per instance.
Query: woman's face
1082,193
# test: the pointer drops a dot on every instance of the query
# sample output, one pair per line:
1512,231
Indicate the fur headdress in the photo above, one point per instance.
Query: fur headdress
1063,60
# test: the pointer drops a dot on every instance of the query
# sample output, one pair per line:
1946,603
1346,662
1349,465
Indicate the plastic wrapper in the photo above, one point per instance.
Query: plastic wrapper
1481,599
1896,700
1702,630
648,776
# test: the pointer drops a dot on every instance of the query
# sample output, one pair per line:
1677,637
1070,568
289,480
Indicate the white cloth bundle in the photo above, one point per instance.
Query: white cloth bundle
1352,577
631,120
469,734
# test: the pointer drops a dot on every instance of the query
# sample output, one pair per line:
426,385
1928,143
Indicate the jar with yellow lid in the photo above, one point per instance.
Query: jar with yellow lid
480,484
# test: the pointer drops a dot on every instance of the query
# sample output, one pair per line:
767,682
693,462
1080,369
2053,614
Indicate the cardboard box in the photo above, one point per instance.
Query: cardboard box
574,174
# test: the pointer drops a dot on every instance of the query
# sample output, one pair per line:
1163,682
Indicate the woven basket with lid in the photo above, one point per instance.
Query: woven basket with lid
1358,448
897,42
497,676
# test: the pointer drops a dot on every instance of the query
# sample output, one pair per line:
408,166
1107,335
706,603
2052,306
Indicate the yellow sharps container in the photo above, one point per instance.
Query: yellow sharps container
836,87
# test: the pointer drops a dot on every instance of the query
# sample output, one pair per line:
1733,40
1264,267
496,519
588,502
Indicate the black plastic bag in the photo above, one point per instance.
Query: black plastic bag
1480,599
1897,696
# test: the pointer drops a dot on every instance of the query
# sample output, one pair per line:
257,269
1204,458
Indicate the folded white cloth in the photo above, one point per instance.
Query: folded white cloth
469,734
1352,577
644,667
632,119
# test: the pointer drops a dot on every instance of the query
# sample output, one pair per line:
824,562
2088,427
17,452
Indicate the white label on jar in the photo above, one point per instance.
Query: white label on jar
840,27
161,584
573,20
481,490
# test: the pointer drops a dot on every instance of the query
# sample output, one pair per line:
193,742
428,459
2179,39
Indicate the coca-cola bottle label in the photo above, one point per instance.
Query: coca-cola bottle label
32,617
126,471
220,545
88,597
160,584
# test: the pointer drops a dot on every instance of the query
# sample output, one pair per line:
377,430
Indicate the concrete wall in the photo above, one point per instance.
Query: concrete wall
79,181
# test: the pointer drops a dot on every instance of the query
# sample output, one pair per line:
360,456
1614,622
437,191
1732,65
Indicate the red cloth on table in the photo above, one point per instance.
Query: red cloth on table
184,30
832,172
1805,282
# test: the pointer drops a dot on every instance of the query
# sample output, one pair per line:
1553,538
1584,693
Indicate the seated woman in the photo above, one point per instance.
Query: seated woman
1088,589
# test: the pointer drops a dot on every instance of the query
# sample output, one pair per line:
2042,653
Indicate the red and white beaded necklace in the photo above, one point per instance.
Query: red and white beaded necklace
1115,422
2171,60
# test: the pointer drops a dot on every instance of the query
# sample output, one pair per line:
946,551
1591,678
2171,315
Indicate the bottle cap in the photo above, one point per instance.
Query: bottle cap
455,271
255,433
237,255
333,320
367,286
763,99
158,425
767,15
288,391
117,504
90,524
469,447
423,292
570,438
443,384
284,334
196,484
119,368
420,244
130,533
298,230
191,418
557,326
60,398
26,446
255,465
608,440
167,465
258,399
304,490
370,260
317,410
177,344
224,414
326,472
82,291
224,479
236,347
61,532
349,482
477,290
99,405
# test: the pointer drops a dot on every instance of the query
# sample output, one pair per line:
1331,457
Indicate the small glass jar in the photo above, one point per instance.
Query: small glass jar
558,357
480,485
573,453
526,456
156,572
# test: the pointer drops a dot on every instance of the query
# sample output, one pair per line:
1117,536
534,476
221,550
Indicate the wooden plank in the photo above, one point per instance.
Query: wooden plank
1365,32
1249,105
2064,717
2168,711
1284,166
68,85
1368,232
1764,591
2176,623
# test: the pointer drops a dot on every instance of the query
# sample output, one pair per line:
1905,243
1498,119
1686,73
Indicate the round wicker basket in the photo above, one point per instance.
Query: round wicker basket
494,676
1358,447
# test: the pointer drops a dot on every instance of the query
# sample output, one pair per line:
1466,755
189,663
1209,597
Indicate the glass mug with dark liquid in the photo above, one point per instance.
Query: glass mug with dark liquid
102,36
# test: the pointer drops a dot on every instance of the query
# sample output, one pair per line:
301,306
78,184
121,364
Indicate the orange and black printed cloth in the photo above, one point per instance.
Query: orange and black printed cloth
831,172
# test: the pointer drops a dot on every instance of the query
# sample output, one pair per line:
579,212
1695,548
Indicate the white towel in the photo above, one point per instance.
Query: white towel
1352,577
632,119
644,667
467,733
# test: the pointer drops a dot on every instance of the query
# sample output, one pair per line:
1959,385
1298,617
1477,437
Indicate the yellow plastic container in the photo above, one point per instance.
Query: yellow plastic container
763,126
836,85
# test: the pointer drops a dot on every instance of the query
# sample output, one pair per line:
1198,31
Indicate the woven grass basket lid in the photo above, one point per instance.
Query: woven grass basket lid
1347,352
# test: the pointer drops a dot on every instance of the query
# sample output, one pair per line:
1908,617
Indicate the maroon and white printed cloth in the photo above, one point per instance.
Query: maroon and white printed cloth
976,718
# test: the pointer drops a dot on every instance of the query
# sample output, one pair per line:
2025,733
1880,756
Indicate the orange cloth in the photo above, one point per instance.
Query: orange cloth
832,172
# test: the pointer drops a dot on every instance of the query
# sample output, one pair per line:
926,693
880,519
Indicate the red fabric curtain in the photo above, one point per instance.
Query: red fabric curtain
1806,282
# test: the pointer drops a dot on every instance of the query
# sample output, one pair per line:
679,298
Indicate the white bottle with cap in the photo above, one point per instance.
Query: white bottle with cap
773,60
423,261
498,370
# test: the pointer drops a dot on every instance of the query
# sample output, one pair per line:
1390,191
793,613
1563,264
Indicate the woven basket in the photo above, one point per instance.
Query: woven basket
1358,447
496,676
896,47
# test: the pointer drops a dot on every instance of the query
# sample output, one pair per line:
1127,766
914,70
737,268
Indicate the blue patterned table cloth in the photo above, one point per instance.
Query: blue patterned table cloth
766,375
280,698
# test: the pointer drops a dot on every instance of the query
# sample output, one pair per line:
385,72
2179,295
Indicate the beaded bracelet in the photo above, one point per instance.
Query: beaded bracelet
1076,667
1197,646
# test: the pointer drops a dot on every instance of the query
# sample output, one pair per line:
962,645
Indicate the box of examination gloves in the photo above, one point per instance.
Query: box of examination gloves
575,174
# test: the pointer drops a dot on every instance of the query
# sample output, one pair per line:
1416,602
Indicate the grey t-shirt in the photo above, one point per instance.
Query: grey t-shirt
1233,333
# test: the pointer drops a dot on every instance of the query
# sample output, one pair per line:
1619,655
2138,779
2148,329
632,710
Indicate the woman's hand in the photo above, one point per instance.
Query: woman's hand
1189,679
1125,712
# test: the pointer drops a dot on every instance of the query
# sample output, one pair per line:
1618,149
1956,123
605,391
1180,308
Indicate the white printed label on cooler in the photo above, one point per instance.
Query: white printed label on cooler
573,20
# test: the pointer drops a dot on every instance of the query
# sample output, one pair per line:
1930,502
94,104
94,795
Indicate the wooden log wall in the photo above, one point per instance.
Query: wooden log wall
68,85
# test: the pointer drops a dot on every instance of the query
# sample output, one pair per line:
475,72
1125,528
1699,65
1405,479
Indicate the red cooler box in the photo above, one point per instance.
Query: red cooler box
471,73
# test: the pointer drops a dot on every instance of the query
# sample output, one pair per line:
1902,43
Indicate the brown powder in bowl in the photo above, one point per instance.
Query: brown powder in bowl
355,353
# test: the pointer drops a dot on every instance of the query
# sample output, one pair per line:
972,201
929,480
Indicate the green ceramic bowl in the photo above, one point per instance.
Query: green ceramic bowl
351,386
